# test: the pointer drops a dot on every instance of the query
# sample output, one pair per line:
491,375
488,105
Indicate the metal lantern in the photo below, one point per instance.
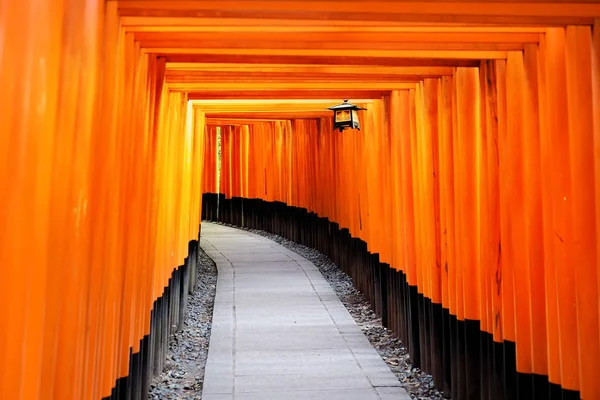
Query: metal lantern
345,116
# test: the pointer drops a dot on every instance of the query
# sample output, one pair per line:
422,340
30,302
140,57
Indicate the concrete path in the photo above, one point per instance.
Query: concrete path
280,332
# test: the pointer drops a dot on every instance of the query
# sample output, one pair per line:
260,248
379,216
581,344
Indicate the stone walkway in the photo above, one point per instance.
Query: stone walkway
280,332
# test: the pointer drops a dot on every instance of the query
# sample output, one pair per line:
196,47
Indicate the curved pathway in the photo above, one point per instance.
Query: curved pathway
280,332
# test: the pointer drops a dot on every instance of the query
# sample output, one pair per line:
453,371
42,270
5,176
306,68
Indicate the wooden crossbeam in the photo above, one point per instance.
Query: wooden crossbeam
246,108
365,54
355,48
272,115
223,25
431,11
286,94
346,60
257,77
231,38
238,121
261,86
207,68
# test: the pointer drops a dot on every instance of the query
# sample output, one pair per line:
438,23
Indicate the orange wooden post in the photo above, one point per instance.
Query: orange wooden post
406,101
489,256
372,183
467,187
245,137
413,170
416,133
467,109
584,262
200,154
447,228
29,134
149,271
25,227
488,115
236,159
533,204
225,176
446,179
503,300
430,153
249,134
456,282
546,160
516,247
362,145
560,196
126,226
350,158
424,208
386,167
295,143
396,208
596,116
383,150
210,163
353,161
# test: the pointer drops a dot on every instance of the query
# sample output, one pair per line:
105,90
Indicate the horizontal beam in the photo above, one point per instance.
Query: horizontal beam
289,38
318,60
392,54
431,11
272,115
287,95
261,86
238,121
267,79
265,102
244,108
370,49
195,24
200,68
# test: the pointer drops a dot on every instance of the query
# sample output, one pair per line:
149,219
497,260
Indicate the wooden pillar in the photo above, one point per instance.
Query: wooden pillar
467,165
490,225
427,172
416,128
407,189
596,116
397,201
583,264
532,189
487,105
387,200
515,247
556,194
446,178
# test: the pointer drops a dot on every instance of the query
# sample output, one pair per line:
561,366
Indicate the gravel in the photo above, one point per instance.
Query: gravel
417,383
183,375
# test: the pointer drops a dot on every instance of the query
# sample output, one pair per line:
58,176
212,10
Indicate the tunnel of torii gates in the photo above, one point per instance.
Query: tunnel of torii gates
465,208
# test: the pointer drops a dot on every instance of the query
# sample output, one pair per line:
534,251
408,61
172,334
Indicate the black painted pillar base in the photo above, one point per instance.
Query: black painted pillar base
168,310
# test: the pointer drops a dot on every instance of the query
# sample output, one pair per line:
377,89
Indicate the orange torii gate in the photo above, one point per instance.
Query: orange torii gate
473,181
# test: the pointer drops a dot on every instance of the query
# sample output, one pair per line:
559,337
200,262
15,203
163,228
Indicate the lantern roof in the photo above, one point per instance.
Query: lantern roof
345,106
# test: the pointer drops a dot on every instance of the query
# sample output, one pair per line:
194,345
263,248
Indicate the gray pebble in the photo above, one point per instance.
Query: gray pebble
183,375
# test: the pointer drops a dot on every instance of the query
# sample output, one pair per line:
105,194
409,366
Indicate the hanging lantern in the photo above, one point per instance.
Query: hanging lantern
345,116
